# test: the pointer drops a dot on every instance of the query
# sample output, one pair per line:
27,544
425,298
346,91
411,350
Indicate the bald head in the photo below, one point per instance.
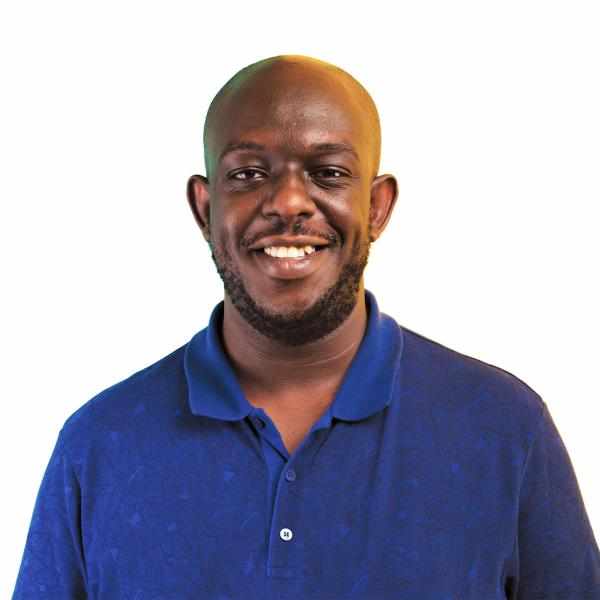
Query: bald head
287,87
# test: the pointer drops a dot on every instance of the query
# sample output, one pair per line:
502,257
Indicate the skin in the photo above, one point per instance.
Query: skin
290,341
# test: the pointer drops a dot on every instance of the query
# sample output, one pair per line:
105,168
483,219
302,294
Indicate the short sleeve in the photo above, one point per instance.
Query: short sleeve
52,564
558,554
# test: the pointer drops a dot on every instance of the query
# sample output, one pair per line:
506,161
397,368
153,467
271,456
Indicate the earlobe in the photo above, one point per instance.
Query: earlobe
199,200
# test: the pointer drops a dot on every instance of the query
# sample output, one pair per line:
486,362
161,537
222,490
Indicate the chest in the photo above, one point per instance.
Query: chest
374,515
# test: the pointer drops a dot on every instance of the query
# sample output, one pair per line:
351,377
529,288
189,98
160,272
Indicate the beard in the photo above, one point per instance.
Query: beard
297,327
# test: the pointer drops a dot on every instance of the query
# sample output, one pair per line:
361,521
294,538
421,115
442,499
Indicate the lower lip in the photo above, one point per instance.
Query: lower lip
290,268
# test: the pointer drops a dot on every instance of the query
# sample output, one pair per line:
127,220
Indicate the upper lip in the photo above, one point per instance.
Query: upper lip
298,241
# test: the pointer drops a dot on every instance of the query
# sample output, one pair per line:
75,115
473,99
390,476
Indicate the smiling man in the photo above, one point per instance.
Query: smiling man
290,205
304,445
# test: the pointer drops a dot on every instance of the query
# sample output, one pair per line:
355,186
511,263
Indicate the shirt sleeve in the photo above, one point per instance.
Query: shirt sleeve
558,554
52,564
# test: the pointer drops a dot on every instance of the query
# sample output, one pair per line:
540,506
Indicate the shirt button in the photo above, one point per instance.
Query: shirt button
258,422
286,534
290,475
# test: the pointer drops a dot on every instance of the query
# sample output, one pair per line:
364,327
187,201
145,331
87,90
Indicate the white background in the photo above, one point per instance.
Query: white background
490,122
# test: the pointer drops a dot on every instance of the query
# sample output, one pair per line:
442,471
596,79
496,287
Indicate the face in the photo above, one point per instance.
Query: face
291,168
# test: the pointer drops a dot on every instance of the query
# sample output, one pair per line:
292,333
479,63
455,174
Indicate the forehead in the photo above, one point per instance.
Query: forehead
297,113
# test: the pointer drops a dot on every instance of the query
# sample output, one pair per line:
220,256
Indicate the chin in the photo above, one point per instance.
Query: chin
289,303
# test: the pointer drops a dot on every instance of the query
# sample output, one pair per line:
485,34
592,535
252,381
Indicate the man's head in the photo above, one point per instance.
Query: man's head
292,148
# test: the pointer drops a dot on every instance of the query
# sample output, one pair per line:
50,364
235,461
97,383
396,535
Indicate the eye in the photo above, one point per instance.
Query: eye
331,177
247,175
332,171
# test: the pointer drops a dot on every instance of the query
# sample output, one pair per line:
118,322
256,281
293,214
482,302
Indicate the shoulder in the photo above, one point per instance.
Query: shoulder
138,397
454,384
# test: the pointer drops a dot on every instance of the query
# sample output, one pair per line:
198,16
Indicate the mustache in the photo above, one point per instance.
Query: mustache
297,229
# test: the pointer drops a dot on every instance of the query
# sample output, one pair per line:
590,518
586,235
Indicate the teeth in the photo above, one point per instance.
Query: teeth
288,251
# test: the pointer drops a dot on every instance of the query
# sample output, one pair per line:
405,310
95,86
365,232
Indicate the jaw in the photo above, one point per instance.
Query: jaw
298,310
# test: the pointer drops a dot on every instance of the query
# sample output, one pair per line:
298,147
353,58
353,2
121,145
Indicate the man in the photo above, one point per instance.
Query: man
304,445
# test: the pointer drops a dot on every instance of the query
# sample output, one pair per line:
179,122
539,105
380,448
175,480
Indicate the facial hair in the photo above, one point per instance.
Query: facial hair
297,327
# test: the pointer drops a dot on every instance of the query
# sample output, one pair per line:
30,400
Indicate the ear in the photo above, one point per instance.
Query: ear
384,192
199,200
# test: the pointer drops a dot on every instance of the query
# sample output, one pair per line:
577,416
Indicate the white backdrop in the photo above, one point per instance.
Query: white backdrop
490,122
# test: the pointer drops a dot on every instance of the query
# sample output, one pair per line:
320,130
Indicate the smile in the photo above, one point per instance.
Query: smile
279,262
288,251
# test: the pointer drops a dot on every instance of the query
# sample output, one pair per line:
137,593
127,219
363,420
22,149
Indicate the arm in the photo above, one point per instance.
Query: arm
558,555
52,565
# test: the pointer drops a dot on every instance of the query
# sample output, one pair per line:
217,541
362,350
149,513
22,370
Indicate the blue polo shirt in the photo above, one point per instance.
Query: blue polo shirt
431,476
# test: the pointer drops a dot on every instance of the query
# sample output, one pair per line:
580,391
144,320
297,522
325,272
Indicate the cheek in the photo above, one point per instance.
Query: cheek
222,229
225,244
349,214
234,222
356,226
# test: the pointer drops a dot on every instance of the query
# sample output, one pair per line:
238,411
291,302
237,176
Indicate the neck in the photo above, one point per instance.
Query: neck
266,365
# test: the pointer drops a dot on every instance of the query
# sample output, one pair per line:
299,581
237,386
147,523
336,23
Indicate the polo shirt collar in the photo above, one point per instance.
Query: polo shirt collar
370,382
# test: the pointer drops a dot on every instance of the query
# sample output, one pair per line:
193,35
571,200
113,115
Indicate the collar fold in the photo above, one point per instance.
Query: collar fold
369,385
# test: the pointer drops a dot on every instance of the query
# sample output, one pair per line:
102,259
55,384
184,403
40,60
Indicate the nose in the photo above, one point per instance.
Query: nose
289,198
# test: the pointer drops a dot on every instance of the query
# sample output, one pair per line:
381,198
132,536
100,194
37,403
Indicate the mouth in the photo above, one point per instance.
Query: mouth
290,267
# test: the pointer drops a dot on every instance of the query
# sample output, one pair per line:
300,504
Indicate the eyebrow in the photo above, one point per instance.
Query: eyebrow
322,148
